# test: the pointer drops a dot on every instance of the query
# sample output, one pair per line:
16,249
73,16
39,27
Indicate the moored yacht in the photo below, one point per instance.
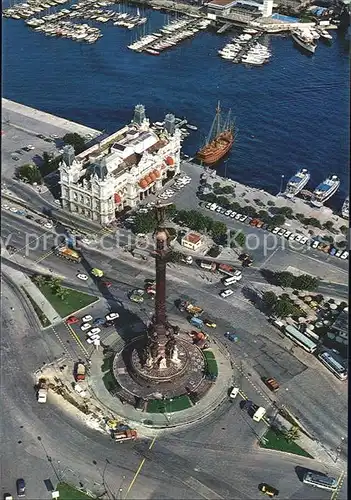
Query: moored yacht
305,40
297,183
325,190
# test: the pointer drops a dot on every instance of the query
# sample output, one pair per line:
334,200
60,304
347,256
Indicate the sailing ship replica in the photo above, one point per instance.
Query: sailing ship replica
219,141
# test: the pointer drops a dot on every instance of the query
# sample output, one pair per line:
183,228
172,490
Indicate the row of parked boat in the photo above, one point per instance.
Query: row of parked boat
306,37
128,20
66,29
246,49
30,8
169,36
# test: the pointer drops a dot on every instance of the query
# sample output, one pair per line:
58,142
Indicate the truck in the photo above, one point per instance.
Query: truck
79,372
42,391
225,269
67,253
197,322
190,308
210,266
272,384
200,339
127,435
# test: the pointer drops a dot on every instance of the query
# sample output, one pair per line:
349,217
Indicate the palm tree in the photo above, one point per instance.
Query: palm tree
61,293
39,280
292,434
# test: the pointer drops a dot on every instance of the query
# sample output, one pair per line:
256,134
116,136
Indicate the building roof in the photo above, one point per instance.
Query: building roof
221,3
193,238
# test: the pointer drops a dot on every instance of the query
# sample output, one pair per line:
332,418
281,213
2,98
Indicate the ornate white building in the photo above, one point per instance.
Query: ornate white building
122,170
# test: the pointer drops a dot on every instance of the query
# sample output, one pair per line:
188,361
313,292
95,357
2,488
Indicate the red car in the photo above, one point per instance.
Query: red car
72,320
107,284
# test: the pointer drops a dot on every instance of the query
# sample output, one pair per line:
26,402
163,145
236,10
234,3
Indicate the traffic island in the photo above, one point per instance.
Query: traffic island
186,399
274,439
64,300
68,492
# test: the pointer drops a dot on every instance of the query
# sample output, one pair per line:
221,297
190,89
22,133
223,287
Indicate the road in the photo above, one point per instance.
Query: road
268,353
183,465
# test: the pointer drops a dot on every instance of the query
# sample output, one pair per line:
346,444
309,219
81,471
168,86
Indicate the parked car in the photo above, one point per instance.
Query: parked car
344,255
233,214
276,230
304,240
234,392
82,277
238,216
227,213
287,234
339,253
332,251
85,326
271,383
98,321
226,293
94,331
21,488
243,218
292,236
111,316
315,244
281,232
87,318
268,490
72,320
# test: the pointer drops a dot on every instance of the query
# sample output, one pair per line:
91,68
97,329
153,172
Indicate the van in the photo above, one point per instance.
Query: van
231,280
259,414
278,324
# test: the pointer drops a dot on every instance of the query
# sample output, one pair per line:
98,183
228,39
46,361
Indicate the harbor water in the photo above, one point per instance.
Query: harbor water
291,113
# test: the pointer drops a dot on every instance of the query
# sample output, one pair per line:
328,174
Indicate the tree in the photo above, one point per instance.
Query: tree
342,243
237,239
299,216
76,140
61,293
235,207
144,223
223,202
305,282
270,203
292,434
328,225
284,279
216,185
39,280
344,229
269,299
227,190
263,215
287,211
29,173
284,308
312,221
171,211
278,220
218,230
49,164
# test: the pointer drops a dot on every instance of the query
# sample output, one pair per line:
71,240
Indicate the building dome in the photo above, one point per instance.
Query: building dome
143,183
117,198
157,174
148,180
152,177
169,161
161,236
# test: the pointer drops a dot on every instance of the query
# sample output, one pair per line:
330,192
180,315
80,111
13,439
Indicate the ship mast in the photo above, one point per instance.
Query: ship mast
215,124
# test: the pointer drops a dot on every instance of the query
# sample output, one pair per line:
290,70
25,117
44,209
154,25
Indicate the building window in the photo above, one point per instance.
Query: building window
75,196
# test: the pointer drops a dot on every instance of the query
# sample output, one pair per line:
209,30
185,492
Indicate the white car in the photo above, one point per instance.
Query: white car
234,392
58,202
87,318
243,218
238,275
344,255
86,241
13,209
298,238
82,277
93,339
292,236
276,230
238,216
208,205
315,244
281,232
111,316
6,207
304,240
226,293
213,207
94,331
85,327
143,211
287,234
227,213
48,225
30,147
233,214
339,253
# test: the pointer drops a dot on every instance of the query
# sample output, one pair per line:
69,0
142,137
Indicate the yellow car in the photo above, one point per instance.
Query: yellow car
97,272
268,490
210,323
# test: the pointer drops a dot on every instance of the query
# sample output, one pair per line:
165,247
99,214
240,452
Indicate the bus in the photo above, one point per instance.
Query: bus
230,280
320,481
333,365
300,339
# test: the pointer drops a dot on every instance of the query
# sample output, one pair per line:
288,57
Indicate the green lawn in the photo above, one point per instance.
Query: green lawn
277,441
67,492
72,303
42,318
211,363
168,406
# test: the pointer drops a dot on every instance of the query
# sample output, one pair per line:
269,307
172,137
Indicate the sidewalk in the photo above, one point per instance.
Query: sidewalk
24,281
210,402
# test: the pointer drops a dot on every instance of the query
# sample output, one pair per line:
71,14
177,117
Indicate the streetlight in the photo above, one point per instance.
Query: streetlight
49,459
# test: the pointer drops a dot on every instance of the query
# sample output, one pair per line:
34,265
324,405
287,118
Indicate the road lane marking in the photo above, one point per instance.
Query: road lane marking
338,487
201,489
139,469
76,338
42,257
61,342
